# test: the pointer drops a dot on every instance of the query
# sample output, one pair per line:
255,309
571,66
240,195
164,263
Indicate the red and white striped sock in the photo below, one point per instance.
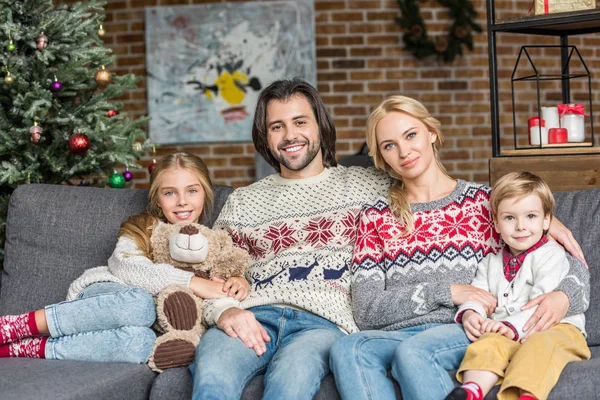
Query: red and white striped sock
15,327
29,347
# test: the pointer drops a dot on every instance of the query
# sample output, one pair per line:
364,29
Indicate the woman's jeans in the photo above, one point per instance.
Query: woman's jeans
295,363
419,357
107,322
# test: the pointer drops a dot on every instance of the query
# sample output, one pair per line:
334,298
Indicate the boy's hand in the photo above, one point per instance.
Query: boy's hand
492,326
236,287
472,323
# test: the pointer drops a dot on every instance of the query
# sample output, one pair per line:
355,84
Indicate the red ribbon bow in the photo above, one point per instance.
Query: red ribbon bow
571,109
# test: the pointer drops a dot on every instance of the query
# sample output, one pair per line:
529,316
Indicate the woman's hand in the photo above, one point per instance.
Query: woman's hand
552,308
472,323
463,293
236,287
207,289
559,233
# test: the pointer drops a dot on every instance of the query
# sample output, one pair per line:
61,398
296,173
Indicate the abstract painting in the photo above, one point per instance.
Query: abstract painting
206,64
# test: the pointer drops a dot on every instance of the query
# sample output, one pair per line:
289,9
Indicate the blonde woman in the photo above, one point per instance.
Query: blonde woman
416,254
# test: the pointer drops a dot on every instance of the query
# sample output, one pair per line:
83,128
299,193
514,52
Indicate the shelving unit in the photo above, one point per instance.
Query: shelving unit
562,25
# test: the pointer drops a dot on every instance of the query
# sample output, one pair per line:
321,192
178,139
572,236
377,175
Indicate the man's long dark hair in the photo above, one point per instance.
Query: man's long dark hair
283,90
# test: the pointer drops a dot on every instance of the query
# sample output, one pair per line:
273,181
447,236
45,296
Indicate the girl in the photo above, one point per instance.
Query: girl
109,310
416,254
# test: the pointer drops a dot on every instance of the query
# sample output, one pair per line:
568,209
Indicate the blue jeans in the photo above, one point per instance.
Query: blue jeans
419,357
295,363
107,322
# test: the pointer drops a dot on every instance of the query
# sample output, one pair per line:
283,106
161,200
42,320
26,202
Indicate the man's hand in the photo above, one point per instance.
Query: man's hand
463,293
493,326
472,323
242,324
564,237
552,308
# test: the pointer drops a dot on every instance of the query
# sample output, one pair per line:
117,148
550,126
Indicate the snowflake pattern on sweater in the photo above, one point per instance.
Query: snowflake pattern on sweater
300,234
401,281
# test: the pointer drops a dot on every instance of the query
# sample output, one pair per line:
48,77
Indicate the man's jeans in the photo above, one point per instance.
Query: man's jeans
107,322
420,358
296,360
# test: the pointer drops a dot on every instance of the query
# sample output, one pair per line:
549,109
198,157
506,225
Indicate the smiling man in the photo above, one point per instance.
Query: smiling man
299,226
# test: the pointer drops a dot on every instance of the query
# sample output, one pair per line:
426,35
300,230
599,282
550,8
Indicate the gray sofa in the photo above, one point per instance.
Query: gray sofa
56,232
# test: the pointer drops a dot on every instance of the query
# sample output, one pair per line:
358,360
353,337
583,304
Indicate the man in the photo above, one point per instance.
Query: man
299,227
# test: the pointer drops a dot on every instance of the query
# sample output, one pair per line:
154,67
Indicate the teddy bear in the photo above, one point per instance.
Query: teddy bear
206,252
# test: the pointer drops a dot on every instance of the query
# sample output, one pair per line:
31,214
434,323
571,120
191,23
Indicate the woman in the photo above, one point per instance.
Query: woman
416,253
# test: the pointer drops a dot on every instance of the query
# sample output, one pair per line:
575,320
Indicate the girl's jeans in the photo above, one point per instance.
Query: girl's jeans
107,322
420,358
296,360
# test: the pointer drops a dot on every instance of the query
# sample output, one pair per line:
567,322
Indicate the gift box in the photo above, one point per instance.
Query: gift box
558,6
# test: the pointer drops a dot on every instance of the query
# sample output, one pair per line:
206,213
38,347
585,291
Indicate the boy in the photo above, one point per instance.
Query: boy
527,367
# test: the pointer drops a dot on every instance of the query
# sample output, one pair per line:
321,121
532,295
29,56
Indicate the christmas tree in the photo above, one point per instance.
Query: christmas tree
57,124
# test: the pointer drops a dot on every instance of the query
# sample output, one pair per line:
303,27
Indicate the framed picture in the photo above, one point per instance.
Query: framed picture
207,64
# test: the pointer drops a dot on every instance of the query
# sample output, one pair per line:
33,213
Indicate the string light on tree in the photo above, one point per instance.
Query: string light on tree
42,41
79,143
36,133
102,76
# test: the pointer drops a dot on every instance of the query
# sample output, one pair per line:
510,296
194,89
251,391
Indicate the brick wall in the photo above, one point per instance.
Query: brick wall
361,61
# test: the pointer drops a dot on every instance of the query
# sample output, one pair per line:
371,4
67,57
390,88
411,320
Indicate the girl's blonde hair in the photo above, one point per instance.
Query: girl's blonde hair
139,226
397,196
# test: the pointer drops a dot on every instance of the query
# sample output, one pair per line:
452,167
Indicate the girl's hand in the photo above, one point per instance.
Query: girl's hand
493,326
463,293
472,323
236,287
207,289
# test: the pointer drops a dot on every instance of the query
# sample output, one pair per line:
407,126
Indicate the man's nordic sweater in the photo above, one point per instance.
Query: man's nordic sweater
402,281
300,234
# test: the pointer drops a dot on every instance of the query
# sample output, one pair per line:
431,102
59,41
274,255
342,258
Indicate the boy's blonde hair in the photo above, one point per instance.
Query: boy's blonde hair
139,226
519,185
397,196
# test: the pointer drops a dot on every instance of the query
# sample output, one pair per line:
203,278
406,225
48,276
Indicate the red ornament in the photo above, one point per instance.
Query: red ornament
112,113
152,166
79,143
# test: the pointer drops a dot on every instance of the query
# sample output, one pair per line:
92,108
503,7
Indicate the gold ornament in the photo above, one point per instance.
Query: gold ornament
102,76
101,31
8,79
137,146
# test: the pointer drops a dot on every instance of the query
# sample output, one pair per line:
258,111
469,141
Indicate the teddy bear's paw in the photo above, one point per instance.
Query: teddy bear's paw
188,248
179,309
175,349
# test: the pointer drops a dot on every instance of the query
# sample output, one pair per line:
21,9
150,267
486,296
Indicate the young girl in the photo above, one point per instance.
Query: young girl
109,310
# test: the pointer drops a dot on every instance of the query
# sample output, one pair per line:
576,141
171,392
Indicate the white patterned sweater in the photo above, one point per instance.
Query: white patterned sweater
300,234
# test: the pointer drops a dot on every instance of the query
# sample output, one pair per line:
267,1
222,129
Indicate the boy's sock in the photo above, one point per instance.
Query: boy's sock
15,327
527,397
28,347
468,391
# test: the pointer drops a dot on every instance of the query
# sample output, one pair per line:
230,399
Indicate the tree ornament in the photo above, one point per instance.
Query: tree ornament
42,41
79,143
101,31
8,79
127,175
102,76
152,166
56,86
446,46
137,147
112,113
36,133
11,46
116,181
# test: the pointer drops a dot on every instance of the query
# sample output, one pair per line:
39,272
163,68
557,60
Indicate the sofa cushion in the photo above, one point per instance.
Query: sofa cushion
580,211
55,232
25,378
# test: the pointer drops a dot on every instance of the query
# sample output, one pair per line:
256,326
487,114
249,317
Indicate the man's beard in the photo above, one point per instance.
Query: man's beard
298,164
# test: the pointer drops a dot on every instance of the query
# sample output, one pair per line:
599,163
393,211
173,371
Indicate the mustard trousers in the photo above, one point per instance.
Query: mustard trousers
533,366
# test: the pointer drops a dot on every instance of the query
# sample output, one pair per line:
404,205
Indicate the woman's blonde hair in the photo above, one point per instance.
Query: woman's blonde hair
397,196
139,226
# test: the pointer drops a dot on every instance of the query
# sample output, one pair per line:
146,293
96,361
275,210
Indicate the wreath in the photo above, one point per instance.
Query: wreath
447,47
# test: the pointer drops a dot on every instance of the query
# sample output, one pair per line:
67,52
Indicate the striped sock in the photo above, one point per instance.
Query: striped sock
29,347
15,327
468,391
